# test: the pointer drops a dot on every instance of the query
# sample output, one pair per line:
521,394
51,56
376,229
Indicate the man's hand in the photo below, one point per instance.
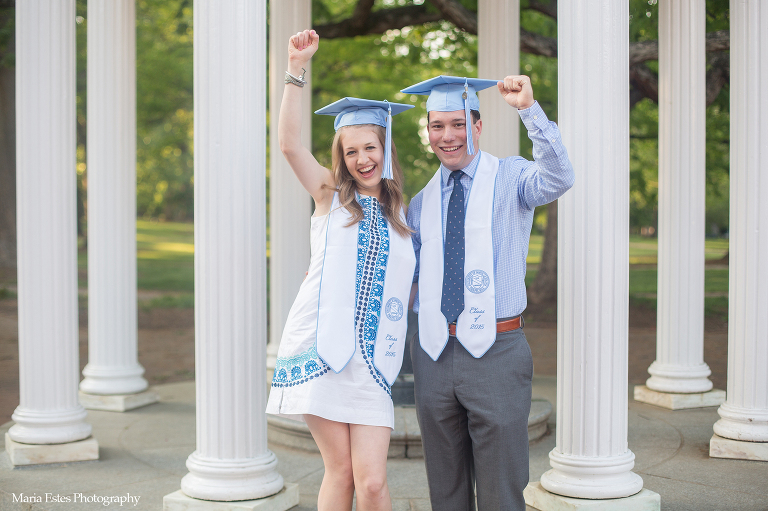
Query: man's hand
302,46
516,91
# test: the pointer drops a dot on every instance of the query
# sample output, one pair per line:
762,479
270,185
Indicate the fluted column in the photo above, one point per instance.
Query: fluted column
232,461
744,415
289,203
48,411
591,459
113,366
679,366
498,55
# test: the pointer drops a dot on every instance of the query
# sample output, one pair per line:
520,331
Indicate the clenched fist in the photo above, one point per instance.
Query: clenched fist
302,46
516,91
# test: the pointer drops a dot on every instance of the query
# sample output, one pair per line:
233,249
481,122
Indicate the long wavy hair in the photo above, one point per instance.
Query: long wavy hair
391,189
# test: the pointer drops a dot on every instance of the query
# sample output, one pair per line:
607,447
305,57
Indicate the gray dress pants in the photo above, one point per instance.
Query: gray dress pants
473,415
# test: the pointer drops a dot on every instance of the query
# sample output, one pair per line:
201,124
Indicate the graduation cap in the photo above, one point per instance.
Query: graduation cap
451,93
355,111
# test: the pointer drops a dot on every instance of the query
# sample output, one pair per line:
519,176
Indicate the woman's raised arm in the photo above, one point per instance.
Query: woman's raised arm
311,174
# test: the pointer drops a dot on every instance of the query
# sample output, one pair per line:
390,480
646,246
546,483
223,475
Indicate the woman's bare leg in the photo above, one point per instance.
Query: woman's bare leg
338,484
369,446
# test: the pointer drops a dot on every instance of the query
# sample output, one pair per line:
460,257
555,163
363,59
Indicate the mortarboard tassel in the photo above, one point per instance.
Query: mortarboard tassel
468,116
387,171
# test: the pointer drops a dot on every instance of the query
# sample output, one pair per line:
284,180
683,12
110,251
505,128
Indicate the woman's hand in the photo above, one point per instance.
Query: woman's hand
302,46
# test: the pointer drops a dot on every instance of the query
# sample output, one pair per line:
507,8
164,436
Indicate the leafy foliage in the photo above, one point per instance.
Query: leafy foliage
377,67
163,106
7,32
644,122
164,109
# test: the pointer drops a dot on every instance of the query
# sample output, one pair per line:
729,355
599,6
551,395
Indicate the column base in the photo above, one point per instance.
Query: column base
285,499
676,401
744,424
43,454
720,447
231,480
539,498
108,381
117,403
682,379
588,477
49,426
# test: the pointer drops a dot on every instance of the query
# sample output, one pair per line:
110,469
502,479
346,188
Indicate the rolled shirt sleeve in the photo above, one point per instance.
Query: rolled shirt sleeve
550,174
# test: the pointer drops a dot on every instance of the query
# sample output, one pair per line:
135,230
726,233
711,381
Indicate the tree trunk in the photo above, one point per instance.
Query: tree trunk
7,163
543,289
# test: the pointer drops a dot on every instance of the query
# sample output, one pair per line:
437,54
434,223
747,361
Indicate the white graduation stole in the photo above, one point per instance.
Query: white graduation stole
476,325
336,308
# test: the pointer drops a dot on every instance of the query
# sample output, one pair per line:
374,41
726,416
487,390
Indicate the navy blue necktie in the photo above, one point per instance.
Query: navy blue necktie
453,260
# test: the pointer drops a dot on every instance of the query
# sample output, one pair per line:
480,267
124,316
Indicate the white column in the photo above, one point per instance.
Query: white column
498,55
679,366
232,461
289,202
744,415
48,412
591,459
113,366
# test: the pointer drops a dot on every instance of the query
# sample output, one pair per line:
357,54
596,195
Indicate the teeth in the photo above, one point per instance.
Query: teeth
450,149
366,169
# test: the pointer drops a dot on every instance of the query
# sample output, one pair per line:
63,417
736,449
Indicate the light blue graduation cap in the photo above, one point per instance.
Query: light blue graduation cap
355,111
451,93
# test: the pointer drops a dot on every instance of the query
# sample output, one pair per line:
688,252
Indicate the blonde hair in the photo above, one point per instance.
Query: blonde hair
391,197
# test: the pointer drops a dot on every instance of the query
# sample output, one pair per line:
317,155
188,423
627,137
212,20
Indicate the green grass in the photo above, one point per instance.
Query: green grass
534,249
165,252
6,293
182,301
643,281
642,250
165,256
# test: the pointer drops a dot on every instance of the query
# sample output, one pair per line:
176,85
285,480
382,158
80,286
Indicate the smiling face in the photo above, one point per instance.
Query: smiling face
364,158
448,138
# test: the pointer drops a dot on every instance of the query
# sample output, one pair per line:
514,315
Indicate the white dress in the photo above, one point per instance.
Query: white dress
302,382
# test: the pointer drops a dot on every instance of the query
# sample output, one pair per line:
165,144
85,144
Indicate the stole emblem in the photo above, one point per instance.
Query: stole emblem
477,281
394,309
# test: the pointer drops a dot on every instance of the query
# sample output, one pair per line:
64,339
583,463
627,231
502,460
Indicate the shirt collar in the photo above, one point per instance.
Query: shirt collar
468,170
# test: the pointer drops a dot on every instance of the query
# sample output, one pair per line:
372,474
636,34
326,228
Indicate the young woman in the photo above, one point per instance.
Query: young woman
342,344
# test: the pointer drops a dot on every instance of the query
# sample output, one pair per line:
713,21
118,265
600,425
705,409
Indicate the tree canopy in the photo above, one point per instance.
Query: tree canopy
374,48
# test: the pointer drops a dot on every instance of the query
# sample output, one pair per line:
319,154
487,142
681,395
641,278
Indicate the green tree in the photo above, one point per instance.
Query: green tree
373,49
7,140
164,119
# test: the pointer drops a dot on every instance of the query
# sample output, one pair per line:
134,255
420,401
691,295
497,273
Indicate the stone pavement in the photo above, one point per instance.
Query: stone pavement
143,453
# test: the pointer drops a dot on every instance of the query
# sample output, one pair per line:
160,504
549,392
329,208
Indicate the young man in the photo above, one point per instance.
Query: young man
471,362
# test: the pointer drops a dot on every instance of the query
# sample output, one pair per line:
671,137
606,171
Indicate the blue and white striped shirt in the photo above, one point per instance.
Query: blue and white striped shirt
521,185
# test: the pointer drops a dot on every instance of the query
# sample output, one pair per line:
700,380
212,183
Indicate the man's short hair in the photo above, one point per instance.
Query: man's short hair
475,116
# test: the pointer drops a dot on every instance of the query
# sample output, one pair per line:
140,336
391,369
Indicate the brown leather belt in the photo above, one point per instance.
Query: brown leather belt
506,325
